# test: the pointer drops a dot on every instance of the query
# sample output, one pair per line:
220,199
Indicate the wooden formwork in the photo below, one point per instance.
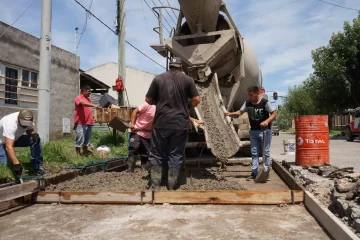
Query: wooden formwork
253,197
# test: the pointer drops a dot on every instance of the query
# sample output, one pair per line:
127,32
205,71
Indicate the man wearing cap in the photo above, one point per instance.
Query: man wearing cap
83,120
170,92
12,130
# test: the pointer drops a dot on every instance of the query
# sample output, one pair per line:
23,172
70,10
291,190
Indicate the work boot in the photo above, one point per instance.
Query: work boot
145,166
17,170
173,178
131,164
40,171
155,177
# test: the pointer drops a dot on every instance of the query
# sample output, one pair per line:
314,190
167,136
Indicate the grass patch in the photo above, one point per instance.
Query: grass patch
61,152
290,130
334,133
5,174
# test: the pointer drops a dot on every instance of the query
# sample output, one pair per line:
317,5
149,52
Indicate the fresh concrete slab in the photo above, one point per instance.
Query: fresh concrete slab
160,222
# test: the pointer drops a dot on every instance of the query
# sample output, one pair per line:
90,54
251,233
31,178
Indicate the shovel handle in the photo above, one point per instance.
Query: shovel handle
263,129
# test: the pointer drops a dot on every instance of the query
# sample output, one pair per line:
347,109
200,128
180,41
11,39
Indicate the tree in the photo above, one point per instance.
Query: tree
335,83
299,101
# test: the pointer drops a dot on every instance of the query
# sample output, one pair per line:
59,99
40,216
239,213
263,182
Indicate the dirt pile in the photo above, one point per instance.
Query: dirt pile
139,180
338,189
220,136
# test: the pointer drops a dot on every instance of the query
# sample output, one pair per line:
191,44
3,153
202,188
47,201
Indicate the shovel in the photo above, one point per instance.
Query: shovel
263,173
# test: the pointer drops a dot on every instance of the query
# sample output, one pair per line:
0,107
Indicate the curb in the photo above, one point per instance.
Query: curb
333,225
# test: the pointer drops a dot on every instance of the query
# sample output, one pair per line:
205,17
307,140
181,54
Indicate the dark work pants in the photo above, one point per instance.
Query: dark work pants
139,145
167,146
25,141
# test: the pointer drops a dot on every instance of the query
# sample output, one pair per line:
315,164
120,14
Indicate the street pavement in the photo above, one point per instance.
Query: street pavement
342,153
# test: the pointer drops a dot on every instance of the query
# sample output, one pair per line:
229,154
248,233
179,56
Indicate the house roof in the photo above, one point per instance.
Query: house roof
95,84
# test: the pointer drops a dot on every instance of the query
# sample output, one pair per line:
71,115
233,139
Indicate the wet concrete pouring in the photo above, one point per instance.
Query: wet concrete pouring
221,138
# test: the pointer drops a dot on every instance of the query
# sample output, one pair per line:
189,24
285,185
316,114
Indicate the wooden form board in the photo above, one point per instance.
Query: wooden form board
128,197
262,197
175,197
18,190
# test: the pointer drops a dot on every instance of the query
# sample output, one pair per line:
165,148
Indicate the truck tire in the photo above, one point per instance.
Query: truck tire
348,135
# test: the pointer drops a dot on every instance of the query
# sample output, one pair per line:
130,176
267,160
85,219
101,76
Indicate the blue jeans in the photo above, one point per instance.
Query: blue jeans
83,135
25,141
256,139
167,147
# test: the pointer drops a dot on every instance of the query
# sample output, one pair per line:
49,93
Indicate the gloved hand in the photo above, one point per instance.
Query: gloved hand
36,137
17,169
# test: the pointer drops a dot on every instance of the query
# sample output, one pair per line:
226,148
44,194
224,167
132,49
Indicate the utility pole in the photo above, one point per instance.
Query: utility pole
43,123
121,47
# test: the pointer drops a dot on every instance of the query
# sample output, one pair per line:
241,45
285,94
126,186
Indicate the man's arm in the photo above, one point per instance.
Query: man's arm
30,132
272,116
194,102
133,118
269,120
237,113
193,94
11,151
87,104
234,114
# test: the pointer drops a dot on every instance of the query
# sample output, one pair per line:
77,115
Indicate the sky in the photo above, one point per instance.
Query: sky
281,32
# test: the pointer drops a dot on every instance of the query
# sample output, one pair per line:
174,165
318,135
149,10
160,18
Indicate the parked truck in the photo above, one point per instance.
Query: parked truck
223,65
352,129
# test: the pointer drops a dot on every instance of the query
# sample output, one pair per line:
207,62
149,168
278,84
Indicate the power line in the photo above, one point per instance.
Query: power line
18,18
142,6
155,14
339,6
87,17
168,13
163,16
281,7
117,34
172,9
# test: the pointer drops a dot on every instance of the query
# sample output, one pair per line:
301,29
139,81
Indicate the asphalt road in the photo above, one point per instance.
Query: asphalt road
342,153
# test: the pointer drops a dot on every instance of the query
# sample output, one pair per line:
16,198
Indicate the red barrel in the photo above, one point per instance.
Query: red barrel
312,140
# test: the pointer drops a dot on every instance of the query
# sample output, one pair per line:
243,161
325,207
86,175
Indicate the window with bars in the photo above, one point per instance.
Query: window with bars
11,84
29,79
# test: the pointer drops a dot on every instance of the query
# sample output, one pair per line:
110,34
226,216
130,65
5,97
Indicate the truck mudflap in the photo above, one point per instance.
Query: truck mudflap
220,134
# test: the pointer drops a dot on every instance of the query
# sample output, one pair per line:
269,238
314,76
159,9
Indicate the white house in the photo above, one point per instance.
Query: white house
137,82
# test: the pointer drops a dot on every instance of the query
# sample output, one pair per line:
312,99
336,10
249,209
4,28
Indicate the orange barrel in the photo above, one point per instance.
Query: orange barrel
312,140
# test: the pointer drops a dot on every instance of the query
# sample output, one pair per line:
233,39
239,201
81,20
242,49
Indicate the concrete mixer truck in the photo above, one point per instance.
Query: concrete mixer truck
216,56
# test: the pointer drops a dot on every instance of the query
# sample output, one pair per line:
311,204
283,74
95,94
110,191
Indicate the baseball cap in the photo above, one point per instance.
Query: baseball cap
26,117
175,62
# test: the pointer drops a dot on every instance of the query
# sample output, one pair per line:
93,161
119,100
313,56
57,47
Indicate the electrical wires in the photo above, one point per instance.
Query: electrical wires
18,18
88,11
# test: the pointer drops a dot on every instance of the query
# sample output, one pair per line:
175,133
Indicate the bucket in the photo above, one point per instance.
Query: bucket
289,147
312,140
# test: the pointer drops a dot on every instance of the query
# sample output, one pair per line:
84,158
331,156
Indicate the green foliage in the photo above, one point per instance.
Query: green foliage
299,101
335,83
60,153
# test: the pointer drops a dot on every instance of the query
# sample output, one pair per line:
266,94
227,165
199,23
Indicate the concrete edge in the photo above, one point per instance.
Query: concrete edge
332,224
286,176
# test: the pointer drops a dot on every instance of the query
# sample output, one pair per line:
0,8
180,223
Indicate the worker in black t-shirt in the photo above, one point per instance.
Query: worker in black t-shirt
261,114
170,91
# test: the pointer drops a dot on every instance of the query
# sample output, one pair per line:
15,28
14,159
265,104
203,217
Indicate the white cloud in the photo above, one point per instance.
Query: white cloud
283,39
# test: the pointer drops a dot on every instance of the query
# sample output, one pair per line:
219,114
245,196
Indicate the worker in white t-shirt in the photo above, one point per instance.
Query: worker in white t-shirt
12,134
